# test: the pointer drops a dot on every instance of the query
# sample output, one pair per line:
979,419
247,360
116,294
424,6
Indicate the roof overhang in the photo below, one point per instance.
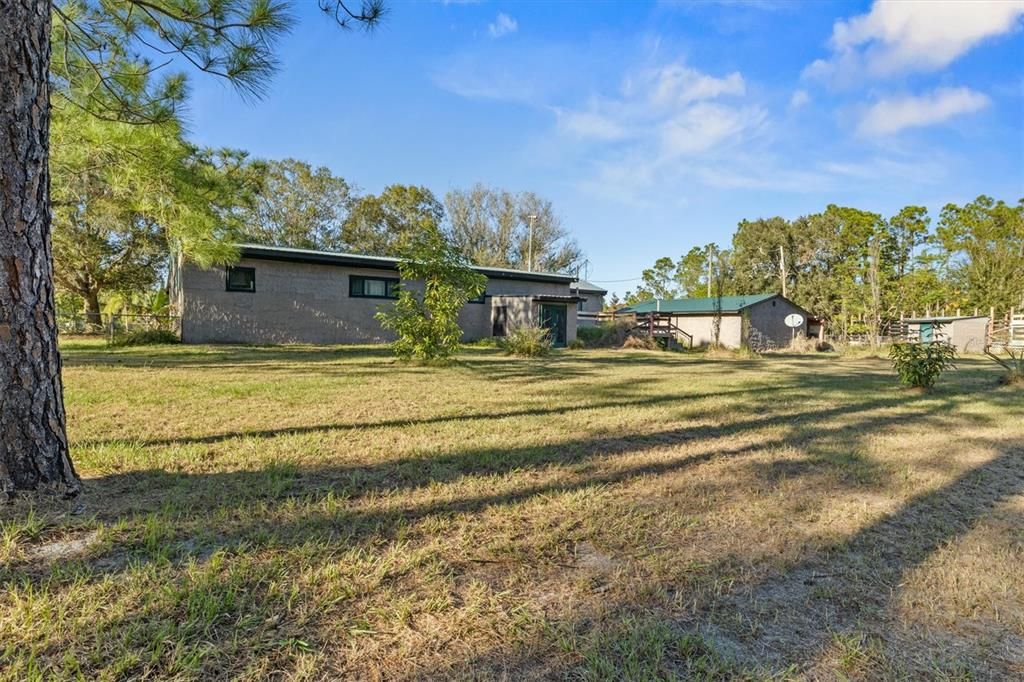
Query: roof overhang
353,260
550,298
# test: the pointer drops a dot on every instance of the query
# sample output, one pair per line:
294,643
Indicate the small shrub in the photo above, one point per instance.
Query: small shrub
146,337
605,335
744,352
528,342
640,342
803,344
920,364
577,343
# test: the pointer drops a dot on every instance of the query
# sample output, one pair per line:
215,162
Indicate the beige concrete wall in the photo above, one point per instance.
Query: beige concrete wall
701,328
310,303
969,335
769,319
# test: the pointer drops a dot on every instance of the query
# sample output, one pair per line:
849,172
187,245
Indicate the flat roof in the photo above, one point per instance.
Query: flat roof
291,255
946,318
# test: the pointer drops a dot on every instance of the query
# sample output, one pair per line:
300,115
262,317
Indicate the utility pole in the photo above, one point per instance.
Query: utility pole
529,266
709,271
782,269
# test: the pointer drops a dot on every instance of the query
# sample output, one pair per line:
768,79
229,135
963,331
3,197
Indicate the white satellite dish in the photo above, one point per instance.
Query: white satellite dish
795,320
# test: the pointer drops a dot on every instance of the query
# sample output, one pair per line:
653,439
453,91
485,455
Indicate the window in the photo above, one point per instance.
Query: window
478,299
372,287
579,305
241,279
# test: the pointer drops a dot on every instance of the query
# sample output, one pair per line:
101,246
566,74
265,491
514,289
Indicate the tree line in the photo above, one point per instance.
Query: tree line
125,196
856,269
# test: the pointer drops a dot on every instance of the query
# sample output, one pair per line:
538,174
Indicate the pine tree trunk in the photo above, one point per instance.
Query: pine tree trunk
33,445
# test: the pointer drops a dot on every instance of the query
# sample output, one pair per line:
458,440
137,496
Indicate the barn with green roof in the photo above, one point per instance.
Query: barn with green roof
756,319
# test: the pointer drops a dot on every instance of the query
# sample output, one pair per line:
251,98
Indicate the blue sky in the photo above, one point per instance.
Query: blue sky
653,127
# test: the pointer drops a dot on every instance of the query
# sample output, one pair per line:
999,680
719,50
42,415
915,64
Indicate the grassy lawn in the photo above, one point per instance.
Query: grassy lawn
326,513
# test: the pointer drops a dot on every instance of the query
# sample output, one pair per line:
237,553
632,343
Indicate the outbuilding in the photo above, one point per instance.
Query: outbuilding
967,333
758,320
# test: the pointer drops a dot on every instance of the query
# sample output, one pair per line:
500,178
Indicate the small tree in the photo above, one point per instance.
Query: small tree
920,364
426,321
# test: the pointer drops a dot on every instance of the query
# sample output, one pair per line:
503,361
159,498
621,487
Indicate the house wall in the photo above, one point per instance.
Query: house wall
767,322
594,302
970,334
310,303
586,311
701,328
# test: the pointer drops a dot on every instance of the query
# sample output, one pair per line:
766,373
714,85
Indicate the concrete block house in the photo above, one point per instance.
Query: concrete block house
285,295
758,320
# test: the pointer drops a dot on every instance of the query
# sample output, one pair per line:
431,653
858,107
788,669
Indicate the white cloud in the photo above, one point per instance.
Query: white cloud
667,125
891,115
589,124
905,37
799,100
502,25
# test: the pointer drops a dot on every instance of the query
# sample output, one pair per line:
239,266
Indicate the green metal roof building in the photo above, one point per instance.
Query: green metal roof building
758,320
698,306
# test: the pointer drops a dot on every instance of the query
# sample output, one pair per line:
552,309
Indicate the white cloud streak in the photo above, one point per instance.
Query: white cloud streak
891,115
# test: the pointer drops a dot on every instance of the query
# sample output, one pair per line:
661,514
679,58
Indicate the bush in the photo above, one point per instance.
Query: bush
425,322
529,342
146,337
604,335
577,343
920,364
744,352
640,342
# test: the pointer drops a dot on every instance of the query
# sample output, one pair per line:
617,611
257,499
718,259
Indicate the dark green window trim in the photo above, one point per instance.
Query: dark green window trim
357,286
244,279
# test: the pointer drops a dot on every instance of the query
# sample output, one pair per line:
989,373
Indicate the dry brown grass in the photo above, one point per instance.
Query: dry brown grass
325,513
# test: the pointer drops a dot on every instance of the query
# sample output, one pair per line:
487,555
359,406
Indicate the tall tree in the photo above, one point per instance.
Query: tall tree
493,227
984,244
692,271
121,192
385,224
95,68
756,255
299,206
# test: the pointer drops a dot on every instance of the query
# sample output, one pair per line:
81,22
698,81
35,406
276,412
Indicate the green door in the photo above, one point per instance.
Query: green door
553,317
927,332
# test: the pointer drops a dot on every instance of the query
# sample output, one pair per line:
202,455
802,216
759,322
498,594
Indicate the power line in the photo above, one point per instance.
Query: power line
615,281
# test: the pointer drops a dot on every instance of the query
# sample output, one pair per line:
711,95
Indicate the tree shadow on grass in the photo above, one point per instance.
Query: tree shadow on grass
782,626
579,464
330,510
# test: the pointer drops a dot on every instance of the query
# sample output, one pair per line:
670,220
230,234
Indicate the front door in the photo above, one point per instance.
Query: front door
927,332
553,317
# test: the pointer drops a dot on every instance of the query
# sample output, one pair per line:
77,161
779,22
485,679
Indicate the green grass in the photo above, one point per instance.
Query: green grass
327,512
